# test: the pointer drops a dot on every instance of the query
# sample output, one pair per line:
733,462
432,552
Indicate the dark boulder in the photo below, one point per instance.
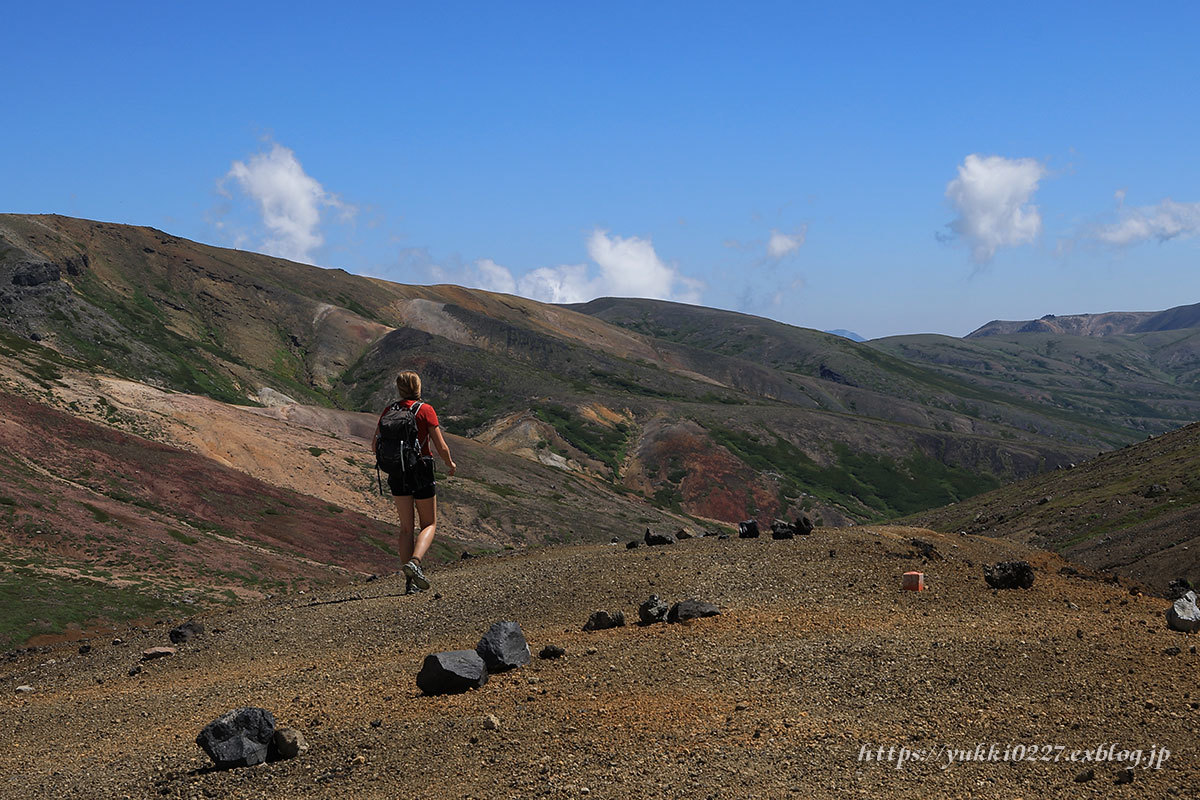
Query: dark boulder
1009,575
35,273
781,529
925,550
691,609
748,529
653,610
804,525
452,672
186,632
503,647
658,538
632,544
552,651
600,620
1178,588
238,738
682,534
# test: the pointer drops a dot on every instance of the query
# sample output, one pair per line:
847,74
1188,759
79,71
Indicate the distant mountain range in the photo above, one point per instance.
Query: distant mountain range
845,334
1108,324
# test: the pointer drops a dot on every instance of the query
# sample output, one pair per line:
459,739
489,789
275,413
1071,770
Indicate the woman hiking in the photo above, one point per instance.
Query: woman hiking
414,489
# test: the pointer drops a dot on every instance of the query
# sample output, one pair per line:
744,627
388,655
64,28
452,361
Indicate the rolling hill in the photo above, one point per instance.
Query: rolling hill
579,423
1133,511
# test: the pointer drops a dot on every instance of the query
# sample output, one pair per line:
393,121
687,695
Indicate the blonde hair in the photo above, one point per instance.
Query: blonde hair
408,384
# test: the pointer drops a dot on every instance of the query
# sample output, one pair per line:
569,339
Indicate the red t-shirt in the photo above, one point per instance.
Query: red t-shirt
426,421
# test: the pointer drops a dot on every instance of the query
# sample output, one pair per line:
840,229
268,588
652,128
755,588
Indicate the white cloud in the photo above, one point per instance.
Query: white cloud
992,197
780,244
289,201
1164,221
624,267
494,278
568,283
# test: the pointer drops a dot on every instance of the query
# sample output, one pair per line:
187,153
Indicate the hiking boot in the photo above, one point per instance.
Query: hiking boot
411,588
412,571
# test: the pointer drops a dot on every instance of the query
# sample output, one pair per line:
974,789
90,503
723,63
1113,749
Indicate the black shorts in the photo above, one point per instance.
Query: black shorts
420,484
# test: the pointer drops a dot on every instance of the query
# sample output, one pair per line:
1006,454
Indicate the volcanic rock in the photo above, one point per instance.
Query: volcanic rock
35,273
691,609
1009,575
186,632
238,738
748,529
804,525
599,620
552,651
781,529
1178,588
503,647
653,610
452,672
658,538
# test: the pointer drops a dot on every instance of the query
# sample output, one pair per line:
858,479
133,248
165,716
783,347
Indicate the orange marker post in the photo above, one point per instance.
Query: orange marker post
913,582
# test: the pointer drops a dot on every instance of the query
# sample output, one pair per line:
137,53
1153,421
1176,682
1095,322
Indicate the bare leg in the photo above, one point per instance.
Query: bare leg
404,510
428,510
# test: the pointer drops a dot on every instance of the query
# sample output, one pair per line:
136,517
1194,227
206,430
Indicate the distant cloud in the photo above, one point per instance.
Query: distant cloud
623,267
1167,220
992,197
289,202
781,244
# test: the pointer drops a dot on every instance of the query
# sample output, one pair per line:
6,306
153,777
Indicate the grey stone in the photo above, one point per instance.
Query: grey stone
186,632
1009,575
452,672
691,609
658,538
287,743
24,689
600,620
748,529
503,647
1183,615
151,653
238,738
653,610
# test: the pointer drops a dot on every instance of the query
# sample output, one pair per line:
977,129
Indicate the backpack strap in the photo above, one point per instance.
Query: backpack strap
415,407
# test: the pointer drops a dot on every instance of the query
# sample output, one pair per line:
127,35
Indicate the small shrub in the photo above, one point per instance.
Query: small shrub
180,536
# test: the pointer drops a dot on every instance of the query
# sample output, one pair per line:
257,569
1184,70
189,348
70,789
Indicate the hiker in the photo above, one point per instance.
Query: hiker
402,450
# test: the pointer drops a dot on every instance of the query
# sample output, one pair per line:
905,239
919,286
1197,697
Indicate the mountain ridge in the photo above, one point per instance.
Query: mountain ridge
1110,323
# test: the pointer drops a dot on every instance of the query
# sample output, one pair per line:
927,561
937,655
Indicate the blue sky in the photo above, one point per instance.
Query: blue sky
887,168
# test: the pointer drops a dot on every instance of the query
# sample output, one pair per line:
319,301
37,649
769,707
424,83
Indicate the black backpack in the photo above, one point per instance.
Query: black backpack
398,448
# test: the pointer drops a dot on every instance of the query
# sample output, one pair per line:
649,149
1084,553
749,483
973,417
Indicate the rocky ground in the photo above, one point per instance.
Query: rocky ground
816,655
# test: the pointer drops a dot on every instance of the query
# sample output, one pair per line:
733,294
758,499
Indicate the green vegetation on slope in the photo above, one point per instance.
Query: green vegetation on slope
875,486
34,603
598,441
